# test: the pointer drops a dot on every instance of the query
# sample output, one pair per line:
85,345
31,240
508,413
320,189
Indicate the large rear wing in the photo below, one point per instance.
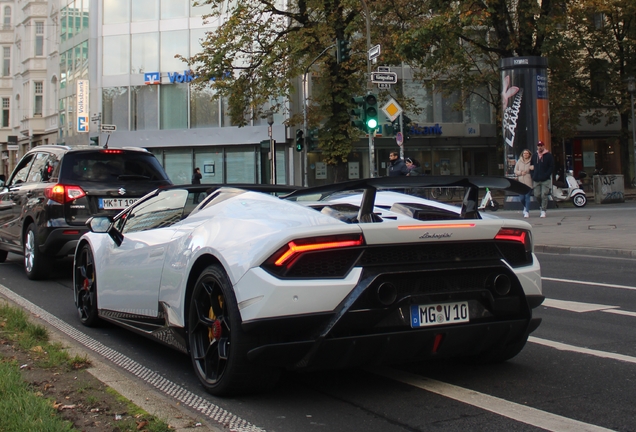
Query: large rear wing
369,186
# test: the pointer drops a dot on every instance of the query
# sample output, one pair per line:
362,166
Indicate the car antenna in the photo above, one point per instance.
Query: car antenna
106,144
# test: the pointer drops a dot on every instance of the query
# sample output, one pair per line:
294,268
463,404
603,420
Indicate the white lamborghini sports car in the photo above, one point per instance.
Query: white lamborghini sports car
248,280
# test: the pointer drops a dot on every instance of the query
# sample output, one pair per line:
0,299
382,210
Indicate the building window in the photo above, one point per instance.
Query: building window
450,106
7,18
116,11
5,112
146,49
6,64
39,38
144,107
174,106
174,42
204,112
115,107
39,94
117,55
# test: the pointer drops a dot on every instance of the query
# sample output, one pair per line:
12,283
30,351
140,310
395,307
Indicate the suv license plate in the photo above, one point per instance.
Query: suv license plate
115,203
438,314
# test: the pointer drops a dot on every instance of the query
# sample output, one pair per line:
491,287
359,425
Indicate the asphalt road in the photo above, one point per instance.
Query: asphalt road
546,387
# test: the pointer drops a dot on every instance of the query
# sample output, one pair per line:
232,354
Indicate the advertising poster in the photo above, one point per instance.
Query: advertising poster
525,107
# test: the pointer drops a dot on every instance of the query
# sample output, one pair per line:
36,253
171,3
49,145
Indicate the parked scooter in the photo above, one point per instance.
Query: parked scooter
570,189
488,203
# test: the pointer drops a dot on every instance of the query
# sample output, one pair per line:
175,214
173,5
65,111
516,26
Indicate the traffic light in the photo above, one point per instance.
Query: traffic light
358,113
371,112
343,50
94,140
299,140
312,139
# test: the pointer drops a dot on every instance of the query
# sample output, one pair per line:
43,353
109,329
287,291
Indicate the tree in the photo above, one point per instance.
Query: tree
257,54
607,33
462,42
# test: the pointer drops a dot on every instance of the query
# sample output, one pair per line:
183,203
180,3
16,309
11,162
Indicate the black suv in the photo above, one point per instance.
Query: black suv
55,189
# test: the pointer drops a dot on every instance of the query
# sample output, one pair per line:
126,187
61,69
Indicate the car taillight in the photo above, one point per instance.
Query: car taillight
323,257
516,234
297,247
63,193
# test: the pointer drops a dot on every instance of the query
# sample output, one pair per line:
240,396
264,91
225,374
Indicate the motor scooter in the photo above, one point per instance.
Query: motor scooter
570,189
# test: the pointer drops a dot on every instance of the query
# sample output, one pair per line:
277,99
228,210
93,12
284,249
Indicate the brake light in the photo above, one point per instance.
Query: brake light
515,234
109,151
293,249
430,226
63,193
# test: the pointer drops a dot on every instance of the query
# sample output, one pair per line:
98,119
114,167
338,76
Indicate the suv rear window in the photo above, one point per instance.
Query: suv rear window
108,165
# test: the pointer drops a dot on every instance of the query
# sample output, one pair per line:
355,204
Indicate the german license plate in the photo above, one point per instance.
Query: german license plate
439,314
115,203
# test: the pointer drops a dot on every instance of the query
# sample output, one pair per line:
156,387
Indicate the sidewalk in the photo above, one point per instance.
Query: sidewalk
597,229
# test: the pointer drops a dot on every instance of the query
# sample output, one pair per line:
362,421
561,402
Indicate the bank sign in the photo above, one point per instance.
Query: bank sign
82,106
154,78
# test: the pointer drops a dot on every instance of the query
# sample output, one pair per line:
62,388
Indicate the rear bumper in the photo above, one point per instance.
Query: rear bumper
395,347
62,241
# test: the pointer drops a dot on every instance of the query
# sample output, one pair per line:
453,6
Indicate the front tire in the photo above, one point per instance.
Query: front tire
36,264
3,255
494,205
579,200
218,345
85,285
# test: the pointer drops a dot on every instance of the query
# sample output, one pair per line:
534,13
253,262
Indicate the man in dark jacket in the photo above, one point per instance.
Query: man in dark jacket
397,167
541,168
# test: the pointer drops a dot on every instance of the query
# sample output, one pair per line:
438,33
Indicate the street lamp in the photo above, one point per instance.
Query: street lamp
272,146
631,88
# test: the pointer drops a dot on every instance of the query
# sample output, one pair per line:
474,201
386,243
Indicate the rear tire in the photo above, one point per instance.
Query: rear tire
85,285
218,345
494,205
3,256
36,264
579,200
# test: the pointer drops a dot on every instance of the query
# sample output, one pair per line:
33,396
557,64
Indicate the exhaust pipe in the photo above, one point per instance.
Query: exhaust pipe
386,294
502,284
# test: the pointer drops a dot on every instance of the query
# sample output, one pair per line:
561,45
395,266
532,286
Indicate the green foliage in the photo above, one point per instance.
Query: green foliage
257,54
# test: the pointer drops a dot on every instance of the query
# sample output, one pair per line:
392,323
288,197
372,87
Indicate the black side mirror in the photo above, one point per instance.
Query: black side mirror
104,224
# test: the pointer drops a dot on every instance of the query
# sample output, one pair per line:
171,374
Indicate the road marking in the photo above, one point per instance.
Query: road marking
573,306
512,410
590,283
566,347
174,391
620,312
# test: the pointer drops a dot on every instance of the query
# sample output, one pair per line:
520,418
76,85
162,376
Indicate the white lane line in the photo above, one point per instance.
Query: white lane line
573,306
620,312
565,347
589,283
512,410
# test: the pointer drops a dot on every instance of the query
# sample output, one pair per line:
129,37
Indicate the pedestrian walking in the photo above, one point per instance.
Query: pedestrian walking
196,179
522,171
414,167
397,167
542,167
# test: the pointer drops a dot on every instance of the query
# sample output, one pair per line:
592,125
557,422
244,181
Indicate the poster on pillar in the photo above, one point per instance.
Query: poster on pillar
525,107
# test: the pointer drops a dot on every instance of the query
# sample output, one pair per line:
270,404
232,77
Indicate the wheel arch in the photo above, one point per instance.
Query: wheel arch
202,262
25,224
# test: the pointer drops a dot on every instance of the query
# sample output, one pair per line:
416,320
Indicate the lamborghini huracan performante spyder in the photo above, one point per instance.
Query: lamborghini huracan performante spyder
251,279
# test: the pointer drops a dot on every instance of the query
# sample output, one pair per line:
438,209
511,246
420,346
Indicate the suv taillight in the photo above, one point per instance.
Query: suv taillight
62,193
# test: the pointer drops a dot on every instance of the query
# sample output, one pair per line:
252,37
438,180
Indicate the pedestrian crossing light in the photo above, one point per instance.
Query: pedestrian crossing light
371,112
299,140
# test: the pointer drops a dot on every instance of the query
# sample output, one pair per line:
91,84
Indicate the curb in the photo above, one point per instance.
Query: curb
588,251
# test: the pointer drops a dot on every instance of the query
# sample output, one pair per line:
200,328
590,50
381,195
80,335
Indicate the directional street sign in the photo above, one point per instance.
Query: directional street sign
374,52
384,77
108,128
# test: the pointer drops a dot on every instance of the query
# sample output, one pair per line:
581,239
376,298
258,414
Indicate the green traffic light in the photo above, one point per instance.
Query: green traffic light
372,123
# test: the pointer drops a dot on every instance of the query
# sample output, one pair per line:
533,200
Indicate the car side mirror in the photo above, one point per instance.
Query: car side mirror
104,225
